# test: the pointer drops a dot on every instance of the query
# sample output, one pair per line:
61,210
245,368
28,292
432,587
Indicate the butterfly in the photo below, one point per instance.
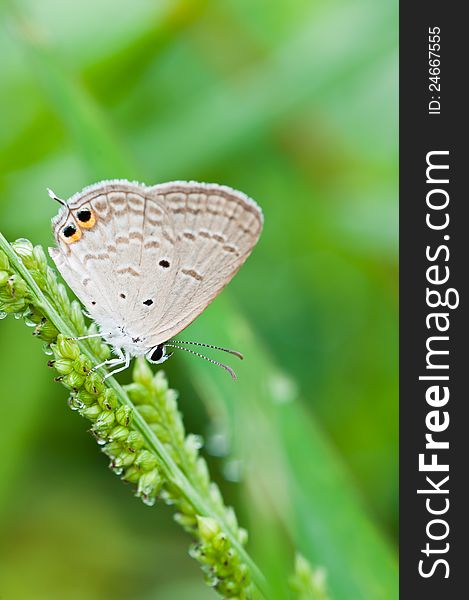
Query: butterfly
146,261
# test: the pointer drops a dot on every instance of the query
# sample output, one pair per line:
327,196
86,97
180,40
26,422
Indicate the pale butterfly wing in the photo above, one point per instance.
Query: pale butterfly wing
214,230
102,263
156,256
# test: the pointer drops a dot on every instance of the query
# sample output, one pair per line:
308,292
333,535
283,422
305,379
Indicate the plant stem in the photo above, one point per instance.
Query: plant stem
171,470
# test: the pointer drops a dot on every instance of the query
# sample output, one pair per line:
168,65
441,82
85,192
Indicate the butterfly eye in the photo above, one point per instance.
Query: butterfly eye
86,217
157,354
71,233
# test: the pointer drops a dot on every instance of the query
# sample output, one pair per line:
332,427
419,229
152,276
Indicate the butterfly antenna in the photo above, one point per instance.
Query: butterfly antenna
234,352
214,362
55,197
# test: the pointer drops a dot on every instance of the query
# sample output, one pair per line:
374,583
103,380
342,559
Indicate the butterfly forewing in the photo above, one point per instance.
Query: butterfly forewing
214,230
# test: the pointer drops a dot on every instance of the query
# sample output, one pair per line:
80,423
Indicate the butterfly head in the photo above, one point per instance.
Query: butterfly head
158,355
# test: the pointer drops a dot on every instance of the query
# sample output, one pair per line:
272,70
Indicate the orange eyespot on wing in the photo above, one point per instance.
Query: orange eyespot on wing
70,233
86,217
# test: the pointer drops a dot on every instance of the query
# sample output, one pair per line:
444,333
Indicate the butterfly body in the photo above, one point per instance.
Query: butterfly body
119,336
146,261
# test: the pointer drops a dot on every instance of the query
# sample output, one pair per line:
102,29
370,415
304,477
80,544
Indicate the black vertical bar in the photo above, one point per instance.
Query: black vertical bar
445,252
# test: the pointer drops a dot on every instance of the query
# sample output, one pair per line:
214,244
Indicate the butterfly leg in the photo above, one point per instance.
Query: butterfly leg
85,337
107,363
110,361
126,360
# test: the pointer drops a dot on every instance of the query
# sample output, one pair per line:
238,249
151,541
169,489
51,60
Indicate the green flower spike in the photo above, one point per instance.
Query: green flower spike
308,583
139,427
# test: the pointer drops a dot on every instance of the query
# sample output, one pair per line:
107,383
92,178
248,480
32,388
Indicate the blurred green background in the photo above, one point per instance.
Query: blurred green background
295,103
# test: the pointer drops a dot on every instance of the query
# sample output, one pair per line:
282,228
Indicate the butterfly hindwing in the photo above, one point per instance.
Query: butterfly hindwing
213,229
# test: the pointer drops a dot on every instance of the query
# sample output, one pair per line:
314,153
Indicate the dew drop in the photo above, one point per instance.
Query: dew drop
212,580
75,403
148,500
47,349
3,315
194,551
99,440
